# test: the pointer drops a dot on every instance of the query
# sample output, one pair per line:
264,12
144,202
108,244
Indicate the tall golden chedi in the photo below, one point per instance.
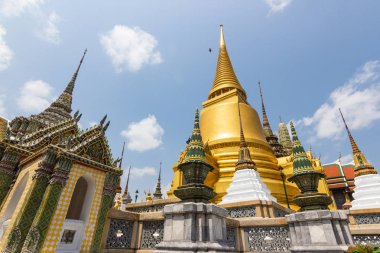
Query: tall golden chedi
221,134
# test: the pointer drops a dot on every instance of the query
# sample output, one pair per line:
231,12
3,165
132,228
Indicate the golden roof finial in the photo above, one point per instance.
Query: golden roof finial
222,42
225,78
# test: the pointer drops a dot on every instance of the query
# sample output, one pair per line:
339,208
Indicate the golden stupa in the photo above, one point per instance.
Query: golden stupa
221,134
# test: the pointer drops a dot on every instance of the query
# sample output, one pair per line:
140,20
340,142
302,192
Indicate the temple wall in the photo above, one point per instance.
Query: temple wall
26,170
252,226
55,230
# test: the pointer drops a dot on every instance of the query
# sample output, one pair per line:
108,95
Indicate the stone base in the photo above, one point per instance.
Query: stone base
319,231
194,227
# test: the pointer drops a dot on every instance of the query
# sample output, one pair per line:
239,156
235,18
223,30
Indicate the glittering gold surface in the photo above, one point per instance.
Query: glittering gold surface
220,129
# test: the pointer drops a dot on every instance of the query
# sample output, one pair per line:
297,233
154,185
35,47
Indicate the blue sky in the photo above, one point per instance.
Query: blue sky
148,67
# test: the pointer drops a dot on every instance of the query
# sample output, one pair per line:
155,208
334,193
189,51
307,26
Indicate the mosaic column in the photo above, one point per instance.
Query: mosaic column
37,233
33,200
110,184
8,166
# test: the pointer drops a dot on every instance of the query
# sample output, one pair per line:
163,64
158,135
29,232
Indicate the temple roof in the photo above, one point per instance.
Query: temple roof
339,176
225,77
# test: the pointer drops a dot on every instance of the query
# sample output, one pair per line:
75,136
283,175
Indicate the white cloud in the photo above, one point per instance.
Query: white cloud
6,53
34,96
2,106
359,100
145,171
50,31
12,8
47,22
144,135
130,48
277,5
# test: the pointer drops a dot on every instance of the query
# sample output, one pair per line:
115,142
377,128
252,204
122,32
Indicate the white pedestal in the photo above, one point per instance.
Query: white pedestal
247,185
366,193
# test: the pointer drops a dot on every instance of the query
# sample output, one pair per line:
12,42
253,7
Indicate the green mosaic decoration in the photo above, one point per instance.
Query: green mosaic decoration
195,169
8,165
41,222
31,205
306,179
195,152
109,190
301,164
105,206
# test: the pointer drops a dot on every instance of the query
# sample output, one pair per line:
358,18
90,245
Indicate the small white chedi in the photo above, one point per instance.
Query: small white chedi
246,184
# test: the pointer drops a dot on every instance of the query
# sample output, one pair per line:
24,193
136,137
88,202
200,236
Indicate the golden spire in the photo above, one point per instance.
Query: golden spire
225,78
362,166
355,148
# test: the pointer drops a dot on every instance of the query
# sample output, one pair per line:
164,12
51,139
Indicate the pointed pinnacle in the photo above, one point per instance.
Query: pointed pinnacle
70,87
265,117
242,138
159,173
126,185
106,126
103,120
122,156
222,42
355,148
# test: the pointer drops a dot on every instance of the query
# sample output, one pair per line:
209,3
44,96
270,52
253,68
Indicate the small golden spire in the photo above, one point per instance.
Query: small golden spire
225,78
355,148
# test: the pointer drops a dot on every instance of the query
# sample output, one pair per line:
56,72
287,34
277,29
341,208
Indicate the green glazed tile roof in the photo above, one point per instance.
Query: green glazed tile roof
301,164
195,152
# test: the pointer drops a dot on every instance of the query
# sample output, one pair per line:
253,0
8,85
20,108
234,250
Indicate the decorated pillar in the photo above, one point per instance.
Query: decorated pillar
32,202
8,166
37,233
109,190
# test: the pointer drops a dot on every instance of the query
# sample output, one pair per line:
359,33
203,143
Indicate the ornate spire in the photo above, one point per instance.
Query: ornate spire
245,160
355,148
122,156
225,78
194,169
284,137
126,196
195,152
306,179
271,138
60,109
157,194
70,87
301,164
362,166
265,117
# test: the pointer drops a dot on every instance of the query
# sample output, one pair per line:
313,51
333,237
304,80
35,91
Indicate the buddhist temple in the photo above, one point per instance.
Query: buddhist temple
57,182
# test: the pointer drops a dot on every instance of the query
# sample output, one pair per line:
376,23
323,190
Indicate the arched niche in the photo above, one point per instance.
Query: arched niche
12,203
77,214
